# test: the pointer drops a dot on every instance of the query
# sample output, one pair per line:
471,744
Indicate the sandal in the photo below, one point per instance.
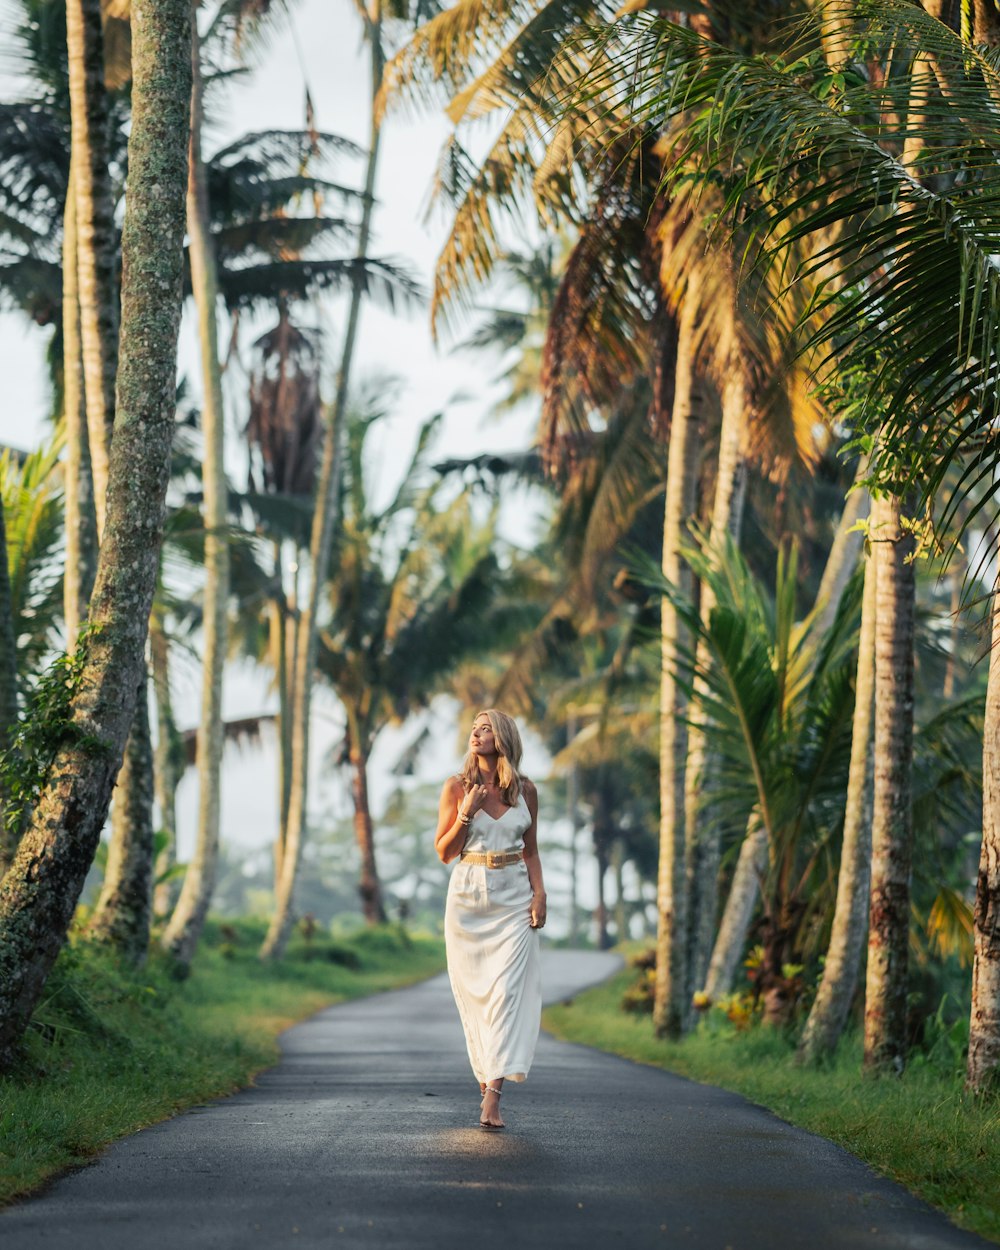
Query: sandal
485,1124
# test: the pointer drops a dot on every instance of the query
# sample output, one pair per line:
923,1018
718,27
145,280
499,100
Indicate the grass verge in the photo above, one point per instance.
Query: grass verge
920,1130
111,1051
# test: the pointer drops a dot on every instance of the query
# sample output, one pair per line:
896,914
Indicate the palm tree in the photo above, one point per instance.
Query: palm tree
184,928
374,15
776,701
418,588
892,819
840,971
41,888
94,233
911,298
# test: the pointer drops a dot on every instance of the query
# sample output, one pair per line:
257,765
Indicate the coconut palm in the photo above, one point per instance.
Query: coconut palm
39,891
419,586
181,934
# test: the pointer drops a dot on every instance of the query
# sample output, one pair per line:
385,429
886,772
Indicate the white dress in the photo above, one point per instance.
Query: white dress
492,950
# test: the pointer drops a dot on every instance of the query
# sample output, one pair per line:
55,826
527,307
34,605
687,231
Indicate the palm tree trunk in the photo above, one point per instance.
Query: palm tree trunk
843,557
740,902
671,989
368,885
181,935
601,856
166,773
843,957
8,689
95,232
984,1023
81,518
703,849
320,546
122,915
373,35
621,908
280,625
40,890
573,813
889,911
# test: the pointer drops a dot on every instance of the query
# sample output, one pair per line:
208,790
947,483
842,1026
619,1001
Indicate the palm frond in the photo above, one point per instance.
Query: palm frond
918,267
390,283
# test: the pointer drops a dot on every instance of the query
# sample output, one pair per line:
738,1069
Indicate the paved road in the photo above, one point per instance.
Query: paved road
364,1136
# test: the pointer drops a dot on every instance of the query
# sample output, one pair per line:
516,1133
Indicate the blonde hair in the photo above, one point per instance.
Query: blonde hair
507,740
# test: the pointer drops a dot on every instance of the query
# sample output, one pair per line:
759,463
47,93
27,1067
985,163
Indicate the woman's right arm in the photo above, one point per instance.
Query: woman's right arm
451,832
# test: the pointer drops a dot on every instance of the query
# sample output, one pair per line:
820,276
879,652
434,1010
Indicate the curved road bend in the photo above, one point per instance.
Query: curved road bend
365,1135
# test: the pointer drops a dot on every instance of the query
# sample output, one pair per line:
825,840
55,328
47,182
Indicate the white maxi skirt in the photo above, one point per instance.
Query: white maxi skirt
493,957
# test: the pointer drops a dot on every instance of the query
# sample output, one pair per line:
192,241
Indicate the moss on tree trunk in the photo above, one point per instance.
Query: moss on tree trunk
121,917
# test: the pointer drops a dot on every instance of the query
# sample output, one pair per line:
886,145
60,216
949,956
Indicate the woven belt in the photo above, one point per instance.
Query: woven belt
492,859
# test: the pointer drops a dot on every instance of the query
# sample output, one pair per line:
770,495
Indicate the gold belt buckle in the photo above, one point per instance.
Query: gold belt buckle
494,859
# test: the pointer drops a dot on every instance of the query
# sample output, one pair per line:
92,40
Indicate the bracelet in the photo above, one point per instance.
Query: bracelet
464,819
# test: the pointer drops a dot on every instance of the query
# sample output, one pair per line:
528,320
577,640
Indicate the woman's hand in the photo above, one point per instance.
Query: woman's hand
472,802
538,911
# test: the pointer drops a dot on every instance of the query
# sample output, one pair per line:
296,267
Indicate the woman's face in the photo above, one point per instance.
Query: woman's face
481,739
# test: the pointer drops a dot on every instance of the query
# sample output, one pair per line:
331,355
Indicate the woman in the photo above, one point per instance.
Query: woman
496,904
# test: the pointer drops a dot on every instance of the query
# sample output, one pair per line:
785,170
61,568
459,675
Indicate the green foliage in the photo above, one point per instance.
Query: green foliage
921,1130
47,727
32,500
415,587
876,193
112,1050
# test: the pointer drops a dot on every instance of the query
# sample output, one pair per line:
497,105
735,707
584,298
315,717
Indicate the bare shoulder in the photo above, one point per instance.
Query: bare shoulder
453,788
529,790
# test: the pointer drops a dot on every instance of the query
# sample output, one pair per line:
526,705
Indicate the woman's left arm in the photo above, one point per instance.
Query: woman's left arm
531,859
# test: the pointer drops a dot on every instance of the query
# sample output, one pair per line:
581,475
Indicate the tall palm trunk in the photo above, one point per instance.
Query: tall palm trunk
892,825
621,907
181,935
740,903
93,237
840,972
671,990
166,770
601,859
81,518
844,553
320,546
573,813
703,850
280,626
40,890
122,915
306,640
368,887
984,1023
95,232
8,690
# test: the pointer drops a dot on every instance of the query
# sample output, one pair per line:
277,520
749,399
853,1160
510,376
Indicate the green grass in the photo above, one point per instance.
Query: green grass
921,1130
110,1051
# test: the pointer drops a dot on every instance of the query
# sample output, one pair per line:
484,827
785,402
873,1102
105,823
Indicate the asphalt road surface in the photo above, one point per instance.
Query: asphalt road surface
365,1135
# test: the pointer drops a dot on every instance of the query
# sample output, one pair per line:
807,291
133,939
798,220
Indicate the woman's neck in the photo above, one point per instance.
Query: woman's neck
487,765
